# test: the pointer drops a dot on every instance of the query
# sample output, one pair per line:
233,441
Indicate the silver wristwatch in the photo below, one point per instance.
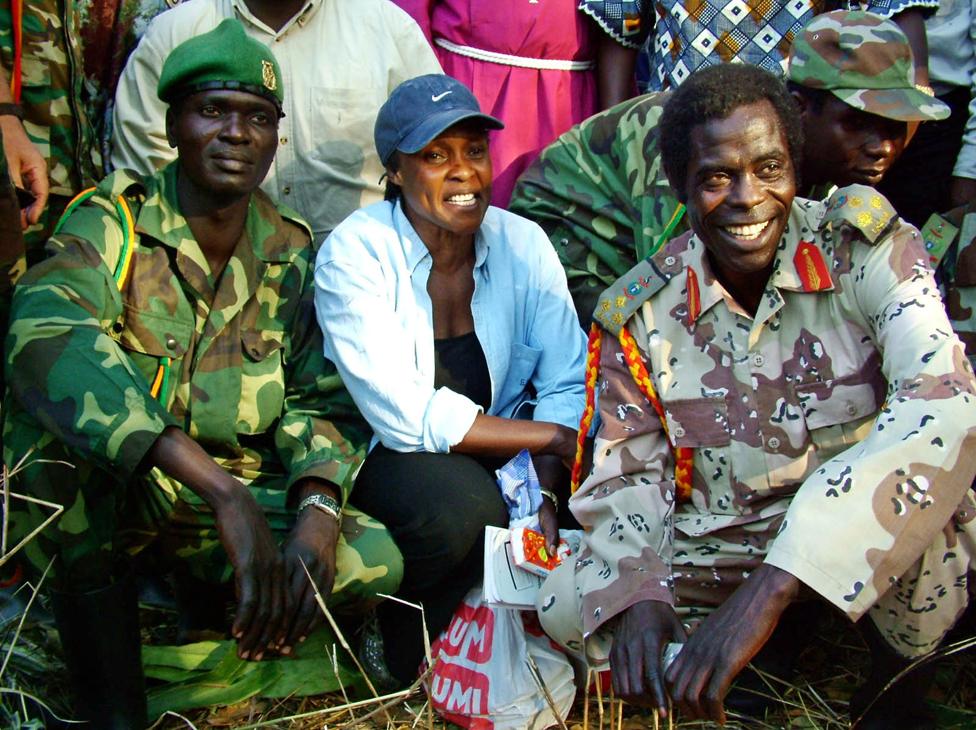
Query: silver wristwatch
323,502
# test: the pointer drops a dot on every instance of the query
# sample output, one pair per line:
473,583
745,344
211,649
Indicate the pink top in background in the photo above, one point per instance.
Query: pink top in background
536,105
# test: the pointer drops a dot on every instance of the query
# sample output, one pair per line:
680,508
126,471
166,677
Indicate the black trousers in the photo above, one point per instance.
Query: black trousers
918,183
436,506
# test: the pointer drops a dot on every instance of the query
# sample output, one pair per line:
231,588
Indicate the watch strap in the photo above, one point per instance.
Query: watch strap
324,503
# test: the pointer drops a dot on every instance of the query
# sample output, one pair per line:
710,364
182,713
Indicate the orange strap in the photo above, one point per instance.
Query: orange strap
683,456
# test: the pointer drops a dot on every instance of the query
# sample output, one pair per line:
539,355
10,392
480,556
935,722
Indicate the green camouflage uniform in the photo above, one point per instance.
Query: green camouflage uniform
73,55
833,436
950,241
247,381
600,193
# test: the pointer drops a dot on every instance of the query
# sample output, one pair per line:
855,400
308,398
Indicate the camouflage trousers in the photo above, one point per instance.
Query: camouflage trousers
104,519
913,615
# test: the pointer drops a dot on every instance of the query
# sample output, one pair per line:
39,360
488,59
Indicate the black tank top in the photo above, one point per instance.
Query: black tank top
459,364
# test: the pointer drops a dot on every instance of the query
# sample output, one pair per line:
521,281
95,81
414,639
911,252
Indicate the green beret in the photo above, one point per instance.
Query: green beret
224,58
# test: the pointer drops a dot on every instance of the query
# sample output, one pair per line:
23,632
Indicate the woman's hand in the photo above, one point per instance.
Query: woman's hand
311,545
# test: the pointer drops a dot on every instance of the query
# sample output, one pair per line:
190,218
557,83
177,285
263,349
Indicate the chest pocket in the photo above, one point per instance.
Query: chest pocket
262,380
518,388
838,413
152,342
702,424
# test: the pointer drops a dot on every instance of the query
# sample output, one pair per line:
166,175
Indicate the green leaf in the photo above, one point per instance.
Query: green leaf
210,673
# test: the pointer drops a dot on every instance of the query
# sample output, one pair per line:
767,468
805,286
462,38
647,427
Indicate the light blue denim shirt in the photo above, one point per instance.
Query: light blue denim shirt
372,304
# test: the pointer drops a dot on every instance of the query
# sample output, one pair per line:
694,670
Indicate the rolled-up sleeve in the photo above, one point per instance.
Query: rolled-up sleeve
886,498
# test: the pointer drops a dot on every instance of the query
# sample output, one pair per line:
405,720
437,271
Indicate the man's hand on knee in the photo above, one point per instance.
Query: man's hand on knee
727,640
244,533
311,546
641,633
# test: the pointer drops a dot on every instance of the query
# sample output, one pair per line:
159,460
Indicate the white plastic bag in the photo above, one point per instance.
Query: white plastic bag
482,678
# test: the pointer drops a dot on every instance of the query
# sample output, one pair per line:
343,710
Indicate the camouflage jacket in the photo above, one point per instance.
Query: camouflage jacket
73,54
950,241
846,404
600,193
246,375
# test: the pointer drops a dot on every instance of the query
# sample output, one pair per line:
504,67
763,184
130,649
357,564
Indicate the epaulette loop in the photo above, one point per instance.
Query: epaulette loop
625,296
860,209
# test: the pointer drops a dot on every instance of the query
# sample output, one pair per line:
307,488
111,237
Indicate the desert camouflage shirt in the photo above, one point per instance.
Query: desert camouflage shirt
845,403
246,376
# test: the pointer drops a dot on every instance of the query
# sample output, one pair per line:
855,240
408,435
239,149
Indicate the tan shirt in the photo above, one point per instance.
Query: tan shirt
845,404
339,61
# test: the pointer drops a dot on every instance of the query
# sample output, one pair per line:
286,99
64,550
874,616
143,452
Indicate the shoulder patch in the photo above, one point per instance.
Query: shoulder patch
861,210
625,296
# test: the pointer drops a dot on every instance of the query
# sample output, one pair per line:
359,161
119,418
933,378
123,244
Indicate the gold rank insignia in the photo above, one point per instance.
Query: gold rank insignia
268,76
621,302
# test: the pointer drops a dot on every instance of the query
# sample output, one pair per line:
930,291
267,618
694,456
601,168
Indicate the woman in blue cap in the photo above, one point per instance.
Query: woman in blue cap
452,327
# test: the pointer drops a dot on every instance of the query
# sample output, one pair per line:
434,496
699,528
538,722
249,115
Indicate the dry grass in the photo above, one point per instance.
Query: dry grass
834,663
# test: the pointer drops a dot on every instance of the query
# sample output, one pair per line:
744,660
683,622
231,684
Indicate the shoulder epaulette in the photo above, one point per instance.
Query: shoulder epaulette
292,216
625,296
862,210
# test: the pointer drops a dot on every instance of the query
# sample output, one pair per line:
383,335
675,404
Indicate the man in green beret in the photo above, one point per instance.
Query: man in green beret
168,370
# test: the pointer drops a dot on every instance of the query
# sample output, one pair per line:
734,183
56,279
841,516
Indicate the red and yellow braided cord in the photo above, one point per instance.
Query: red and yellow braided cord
683,456
592,370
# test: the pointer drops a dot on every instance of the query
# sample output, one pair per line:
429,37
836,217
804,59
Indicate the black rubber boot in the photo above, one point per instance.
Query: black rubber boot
102,650
902,706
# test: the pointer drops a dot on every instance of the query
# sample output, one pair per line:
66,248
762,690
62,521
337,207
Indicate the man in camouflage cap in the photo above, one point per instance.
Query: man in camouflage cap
785,414
168,349
600,191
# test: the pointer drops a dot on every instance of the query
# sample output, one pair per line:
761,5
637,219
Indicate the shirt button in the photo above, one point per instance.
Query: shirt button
679,432
171,343
669,261
773,443
758,360
284,140
287,190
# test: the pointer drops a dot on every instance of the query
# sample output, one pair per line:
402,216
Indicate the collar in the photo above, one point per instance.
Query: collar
160,218
415,250
301,18
799,265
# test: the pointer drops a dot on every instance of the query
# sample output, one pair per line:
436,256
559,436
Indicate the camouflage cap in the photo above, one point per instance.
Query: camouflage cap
224,58
865,61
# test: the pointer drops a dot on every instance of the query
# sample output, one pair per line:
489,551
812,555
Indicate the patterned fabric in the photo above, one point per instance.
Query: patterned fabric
691,34
866,62
833,434
242,359
623,20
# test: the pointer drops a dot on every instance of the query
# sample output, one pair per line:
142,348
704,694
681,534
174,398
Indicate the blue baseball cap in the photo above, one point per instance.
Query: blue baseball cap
421,108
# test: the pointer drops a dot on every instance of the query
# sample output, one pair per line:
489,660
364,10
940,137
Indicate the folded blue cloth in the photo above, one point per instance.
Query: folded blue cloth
519,486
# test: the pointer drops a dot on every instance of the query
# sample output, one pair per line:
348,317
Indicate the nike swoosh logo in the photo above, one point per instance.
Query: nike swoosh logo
437,98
